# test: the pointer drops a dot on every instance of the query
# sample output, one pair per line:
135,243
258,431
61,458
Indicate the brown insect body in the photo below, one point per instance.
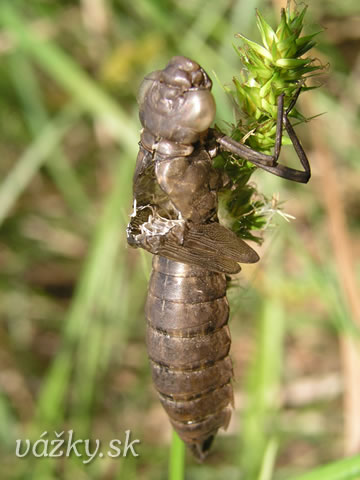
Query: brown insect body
175,218
188,344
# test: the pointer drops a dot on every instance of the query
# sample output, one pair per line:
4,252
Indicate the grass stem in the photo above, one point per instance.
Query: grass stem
177,458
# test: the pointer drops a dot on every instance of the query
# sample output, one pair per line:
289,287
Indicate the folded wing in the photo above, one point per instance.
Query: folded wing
210,246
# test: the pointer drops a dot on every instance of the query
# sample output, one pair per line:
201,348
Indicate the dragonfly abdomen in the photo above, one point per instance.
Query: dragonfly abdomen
188,344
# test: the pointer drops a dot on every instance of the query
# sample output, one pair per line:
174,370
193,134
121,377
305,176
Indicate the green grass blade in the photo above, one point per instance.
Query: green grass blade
28,164
267,467
177,458
346,469
80,360
71,77
37,118
100,262
264,382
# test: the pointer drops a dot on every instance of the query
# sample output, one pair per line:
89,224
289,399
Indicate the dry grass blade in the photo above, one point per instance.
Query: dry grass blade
339,236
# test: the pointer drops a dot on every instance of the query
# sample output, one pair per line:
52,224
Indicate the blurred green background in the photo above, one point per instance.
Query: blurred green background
72,293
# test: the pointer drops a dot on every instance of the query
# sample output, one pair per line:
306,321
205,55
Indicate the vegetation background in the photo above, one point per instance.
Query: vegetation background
72,350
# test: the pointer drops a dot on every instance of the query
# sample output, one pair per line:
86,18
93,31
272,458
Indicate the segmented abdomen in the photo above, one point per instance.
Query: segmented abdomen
188,344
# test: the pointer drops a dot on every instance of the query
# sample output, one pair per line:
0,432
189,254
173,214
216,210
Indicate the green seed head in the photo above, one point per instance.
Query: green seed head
276,67
271,69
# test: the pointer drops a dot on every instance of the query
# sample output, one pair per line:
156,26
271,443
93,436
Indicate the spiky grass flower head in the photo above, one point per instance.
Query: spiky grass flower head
271,69
276,67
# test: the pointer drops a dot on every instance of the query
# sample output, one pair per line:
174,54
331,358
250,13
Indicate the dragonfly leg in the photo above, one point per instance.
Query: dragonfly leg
269,162
293,100
230,145
257,158
301,176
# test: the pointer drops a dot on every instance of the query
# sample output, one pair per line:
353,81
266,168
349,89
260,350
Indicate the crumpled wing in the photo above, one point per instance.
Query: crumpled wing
212,247
201,257
219,238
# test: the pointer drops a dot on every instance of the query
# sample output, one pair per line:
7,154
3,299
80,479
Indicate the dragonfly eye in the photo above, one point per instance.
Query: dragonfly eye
198,110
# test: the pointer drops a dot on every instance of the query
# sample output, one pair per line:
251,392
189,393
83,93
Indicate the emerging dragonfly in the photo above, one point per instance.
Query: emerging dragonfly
175,218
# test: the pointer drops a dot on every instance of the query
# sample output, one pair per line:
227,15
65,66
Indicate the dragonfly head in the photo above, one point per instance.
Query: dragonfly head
176,103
